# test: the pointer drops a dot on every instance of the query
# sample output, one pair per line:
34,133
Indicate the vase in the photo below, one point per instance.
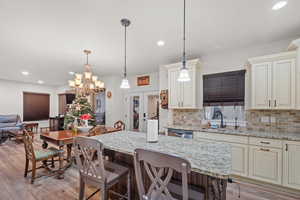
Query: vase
86,123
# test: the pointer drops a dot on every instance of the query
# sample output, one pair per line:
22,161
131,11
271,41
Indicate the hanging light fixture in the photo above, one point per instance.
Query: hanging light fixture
86,84
184,73
125,82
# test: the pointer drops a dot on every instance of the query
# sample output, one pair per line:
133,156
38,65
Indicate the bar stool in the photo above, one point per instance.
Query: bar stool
159,168
96,171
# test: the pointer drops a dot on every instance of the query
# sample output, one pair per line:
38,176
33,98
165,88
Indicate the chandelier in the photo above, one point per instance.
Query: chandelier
86,84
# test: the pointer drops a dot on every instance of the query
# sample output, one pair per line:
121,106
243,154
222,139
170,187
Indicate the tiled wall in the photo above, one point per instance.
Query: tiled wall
263,120
277,121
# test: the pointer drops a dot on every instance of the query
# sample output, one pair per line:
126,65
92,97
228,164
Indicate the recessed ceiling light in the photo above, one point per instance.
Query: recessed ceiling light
40,82
72,73
279,5
25,73
160,43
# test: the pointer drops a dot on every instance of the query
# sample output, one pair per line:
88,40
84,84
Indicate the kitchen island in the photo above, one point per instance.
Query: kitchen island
210,162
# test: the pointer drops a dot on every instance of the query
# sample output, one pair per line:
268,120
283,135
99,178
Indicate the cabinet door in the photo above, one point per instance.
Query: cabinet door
261,85
291,165
239,159
284,85
265,164
174,88
189,90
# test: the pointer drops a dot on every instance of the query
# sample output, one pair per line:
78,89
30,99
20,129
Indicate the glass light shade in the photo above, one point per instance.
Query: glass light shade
72,83
101,84
94,78
184,75
92,86
125,84
88,75
78,76
77,81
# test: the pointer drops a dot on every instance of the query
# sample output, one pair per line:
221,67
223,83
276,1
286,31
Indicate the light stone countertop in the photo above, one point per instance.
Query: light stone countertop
213,159
270,135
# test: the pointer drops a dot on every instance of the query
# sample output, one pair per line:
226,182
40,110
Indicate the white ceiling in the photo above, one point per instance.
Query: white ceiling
47,37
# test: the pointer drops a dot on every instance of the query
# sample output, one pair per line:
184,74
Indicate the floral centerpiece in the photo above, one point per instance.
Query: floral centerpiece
86,118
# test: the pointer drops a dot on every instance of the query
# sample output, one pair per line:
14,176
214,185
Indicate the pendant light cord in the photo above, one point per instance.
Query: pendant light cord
183,56
125,57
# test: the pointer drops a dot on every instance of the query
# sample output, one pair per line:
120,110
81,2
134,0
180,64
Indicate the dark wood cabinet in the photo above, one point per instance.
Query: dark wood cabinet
227,88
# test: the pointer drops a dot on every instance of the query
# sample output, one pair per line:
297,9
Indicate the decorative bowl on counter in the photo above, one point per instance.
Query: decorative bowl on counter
84,129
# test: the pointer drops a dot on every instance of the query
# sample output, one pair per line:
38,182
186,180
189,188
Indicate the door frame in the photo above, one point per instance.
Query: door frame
143,106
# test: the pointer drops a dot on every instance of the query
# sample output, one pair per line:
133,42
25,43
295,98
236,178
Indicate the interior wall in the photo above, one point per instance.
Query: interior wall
11,101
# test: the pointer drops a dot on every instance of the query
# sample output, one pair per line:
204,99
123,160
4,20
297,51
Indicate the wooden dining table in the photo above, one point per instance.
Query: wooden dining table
65,138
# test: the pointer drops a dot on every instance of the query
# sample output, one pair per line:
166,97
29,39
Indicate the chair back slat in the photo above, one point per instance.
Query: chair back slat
28,145
88,154
159,168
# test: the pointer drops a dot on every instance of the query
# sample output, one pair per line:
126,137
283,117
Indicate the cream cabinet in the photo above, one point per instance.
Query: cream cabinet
291,164
239,153
273,81
185,95
265,164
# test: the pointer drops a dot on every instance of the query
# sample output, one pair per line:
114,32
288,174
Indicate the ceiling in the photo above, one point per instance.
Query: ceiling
47,38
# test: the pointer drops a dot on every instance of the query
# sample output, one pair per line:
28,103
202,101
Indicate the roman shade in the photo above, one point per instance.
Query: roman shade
224,88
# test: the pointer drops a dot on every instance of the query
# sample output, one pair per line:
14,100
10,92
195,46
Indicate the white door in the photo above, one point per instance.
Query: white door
134,111
265,164
139,108
189,90
291,165
240,156
150,109
174,88
284,85
261,85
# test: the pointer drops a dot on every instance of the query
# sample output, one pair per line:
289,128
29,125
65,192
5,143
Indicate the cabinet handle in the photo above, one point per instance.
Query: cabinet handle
286,147
275,103
262,149
269,103
262,142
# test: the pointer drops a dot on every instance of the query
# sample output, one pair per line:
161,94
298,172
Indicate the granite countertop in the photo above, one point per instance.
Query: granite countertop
271,135
213,159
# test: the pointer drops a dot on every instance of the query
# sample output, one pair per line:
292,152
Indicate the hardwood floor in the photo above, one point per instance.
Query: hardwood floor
13,186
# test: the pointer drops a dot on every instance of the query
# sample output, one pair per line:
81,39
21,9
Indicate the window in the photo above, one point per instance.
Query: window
36,106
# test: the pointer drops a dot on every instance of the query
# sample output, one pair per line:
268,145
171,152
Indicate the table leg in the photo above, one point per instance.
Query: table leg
69,152
61,164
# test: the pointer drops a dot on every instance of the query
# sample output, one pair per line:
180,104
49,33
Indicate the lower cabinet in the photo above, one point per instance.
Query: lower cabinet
291,165
239,159
265,164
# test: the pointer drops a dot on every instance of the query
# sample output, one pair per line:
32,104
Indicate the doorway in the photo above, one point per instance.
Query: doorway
139,108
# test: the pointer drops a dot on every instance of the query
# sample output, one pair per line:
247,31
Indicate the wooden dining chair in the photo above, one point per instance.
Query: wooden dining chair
159,168
119,125
36,156
96,171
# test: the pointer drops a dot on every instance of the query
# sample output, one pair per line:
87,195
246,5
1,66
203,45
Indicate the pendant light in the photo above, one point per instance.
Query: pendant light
184,73
125,82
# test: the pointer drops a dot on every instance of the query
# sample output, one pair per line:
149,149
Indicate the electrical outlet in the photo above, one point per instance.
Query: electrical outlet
264,119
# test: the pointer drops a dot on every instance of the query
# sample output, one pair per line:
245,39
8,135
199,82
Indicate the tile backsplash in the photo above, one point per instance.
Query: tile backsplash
258,120
275,121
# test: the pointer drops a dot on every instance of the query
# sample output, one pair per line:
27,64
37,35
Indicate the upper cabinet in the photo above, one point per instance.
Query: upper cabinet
185,95
273,81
